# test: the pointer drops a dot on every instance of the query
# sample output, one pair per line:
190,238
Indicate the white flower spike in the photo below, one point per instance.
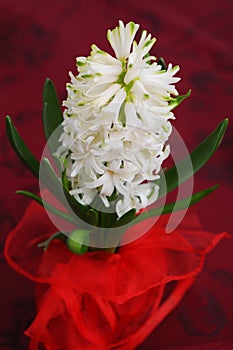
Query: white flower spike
116,122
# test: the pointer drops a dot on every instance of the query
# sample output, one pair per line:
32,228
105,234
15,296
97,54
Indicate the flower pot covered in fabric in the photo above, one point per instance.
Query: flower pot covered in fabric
102,300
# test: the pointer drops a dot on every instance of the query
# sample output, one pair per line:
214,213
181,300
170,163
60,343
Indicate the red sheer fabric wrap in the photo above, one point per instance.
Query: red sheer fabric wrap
99,300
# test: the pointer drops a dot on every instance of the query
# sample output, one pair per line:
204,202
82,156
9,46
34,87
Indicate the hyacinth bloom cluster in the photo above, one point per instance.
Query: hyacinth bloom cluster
117,121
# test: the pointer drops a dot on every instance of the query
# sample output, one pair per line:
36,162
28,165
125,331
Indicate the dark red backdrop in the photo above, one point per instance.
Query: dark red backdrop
40,39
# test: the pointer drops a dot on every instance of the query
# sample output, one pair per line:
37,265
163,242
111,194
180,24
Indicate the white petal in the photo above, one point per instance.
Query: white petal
121,38
107,95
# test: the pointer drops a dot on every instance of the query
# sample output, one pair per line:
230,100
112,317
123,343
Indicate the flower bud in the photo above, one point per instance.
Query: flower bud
78,241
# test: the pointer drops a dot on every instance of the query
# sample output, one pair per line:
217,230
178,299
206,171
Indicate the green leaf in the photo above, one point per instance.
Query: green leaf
54,184
199,157
176,206
176,101
52,113
126,218
48,206
50,179
21,149
78,208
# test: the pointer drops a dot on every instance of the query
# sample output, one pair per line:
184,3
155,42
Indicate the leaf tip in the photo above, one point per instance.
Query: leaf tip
48,85
223,124
8,122
226,121
213,188
47,81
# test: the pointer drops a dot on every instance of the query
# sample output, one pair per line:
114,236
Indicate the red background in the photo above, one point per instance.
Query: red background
42,39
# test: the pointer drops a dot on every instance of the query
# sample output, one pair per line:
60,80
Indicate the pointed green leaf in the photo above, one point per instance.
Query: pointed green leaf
176,101
199,157
48,206
52,113
21,149
50,179
176,206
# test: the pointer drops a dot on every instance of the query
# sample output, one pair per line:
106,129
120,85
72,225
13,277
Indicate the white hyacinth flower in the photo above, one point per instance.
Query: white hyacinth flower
116,122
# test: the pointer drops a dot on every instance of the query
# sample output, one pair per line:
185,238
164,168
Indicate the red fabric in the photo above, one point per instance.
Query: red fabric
100,300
